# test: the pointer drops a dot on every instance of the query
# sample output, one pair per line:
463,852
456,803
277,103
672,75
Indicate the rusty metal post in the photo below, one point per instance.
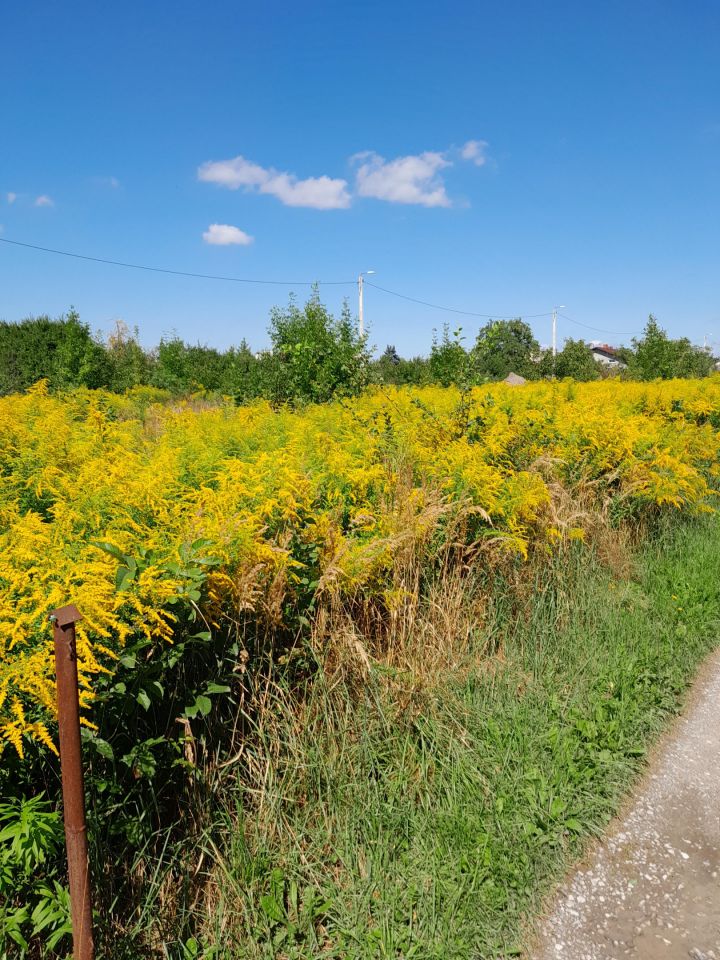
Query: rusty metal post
73,786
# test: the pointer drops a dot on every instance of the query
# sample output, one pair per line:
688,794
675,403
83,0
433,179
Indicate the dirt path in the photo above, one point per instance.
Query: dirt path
651,890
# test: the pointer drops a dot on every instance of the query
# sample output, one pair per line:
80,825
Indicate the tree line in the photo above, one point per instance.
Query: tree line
314,356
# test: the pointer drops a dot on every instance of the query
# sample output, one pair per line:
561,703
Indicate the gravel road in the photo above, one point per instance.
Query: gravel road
651,889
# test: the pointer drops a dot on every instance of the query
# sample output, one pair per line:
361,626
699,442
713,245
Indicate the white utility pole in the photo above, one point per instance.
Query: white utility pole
361,319
554,328
361,324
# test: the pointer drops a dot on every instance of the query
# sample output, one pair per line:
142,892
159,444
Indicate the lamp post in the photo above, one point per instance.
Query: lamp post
361,319
554,327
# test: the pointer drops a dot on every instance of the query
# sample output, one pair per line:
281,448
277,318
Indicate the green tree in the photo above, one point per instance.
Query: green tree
62,351
575,360
390,367
657,356
385,368
415,371
314,356
506,346
170,367
449,361
247,375
130,365
625,355
182,368
80,359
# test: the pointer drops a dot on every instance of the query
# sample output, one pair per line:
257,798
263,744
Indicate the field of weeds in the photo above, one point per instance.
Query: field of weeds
291,618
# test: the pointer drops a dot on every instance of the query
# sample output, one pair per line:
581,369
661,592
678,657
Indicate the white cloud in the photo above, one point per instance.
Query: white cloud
44,201
475,150
233,174
412,179
11,197
223,235
320,193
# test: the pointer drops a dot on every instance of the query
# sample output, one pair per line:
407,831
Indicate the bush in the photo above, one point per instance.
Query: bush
449,362
575,361
34,906
503,347
61,351
314,356
656,356
391,368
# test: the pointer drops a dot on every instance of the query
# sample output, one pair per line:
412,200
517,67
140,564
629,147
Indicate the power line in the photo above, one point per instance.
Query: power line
466,313
495,316
178,273
304,283
282,283
617,333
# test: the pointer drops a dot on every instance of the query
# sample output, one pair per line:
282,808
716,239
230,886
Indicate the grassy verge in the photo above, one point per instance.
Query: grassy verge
430,825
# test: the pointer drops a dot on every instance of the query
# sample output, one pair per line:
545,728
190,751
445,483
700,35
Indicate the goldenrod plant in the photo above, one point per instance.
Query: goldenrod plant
295,616
137,510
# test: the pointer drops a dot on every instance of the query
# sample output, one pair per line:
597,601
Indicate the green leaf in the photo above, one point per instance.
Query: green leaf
204,705
200,544
57,936
271,908
109,548
123,578
103,748
143,699
15,934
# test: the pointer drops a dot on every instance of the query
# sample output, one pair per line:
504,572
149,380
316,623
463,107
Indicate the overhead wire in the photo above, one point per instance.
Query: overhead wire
466,313
497,316
307,283
177,273
617,333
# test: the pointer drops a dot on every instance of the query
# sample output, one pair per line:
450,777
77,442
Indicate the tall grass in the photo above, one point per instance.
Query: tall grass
424,812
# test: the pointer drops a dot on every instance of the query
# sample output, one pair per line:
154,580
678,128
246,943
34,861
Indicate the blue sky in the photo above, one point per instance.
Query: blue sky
497,158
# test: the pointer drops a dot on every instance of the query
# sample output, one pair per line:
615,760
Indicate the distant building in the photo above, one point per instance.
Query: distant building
514,380
604,353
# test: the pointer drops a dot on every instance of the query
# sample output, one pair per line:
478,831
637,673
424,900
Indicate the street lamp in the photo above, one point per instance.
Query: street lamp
554,327
361,323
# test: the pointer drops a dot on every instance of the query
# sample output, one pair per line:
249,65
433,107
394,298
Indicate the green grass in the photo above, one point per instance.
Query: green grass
433,829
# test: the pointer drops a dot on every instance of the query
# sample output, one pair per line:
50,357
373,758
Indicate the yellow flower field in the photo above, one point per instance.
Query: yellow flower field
136,508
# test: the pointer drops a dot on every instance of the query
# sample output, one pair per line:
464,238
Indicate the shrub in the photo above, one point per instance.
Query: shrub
503,347
314,356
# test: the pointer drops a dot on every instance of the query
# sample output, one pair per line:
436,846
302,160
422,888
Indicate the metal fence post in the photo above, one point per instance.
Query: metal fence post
73,788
